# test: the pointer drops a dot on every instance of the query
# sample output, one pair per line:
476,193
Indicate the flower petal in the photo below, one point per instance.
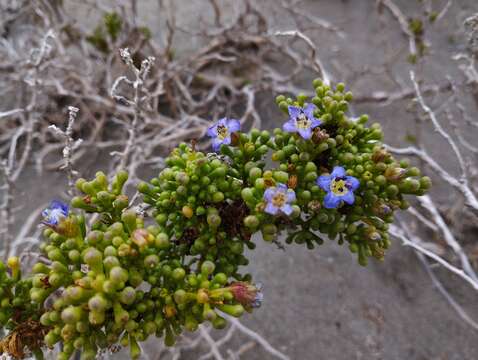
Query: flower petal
271,209
281,187
315,123
290,126
56,204
309,111
45,212
287,209
212,131
331,201
349,198
290,195
324,182
216,144
338,171
222,122
352,183
294,111
306,133
227,140
233,125
269,194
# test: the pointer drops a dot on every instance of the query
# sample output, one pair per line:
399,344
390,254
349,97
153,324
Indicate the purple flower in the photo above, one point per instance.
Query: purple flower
221,132
54,213
302,120
339,187
278,199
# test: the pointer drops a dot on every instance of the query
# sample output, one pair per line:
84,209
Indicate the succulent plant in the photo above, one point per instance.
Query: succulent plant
128,276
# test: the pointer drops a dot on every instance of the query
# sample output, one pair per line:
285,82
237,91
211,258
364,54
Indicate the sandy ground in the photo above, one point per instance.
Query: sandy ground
320,304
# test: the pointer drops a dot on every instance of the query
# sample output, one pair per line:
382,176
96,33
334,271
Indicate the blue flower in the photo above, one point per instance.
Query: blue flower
221,132
302,120
279,199
339,187
54,213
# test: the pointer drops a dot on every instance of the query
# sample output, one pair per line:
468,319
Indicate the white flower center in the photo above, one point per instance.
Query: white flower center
303,121
278,199
339,187
55,214
222,132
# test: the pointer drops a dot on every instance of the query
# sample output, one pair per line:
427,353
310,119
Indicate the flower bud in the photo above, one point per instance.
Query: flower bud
121,202
425,183
118,275
51,339
162,241
39,268
129,219
208,313
214,220
98,303
71,314
251,221
233,310
395,174
180,296
380,155
121,316
319,136
293,180
187,211
219,323
207,267
140,237
151,261
269,229
247,195
202,296
247,294
127,296
178,274
96,317
170,311
94,259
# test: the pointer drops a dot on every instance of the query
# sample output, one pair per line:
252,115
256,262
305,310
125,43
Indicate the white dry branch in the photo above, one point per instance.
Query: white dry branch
404,25
318,66
6,219
429,213
206,344
70,145
140,95
432,227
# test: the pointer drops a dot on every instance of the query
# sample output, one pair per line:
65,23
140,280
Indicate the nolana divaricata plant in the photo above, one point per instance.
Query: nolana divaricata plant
113,275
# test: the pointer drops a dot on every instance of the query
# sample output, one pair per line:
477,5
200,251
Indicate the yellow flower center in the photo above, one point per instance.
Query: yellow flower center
279,199
338,187
303,122
222,132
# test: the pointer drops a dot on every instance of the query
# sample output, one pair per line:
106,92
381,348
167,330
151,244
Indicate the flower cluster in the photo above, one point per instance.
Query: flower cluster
112,279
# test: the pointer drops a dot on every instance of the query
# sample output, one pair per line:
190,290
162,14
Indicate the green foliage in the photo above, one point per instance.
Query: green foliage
109,30
120,280
113,25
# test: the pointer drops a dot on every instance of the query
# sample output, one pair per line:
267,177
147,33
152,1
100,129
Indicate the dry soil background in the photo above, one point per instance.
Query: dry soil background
320,304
